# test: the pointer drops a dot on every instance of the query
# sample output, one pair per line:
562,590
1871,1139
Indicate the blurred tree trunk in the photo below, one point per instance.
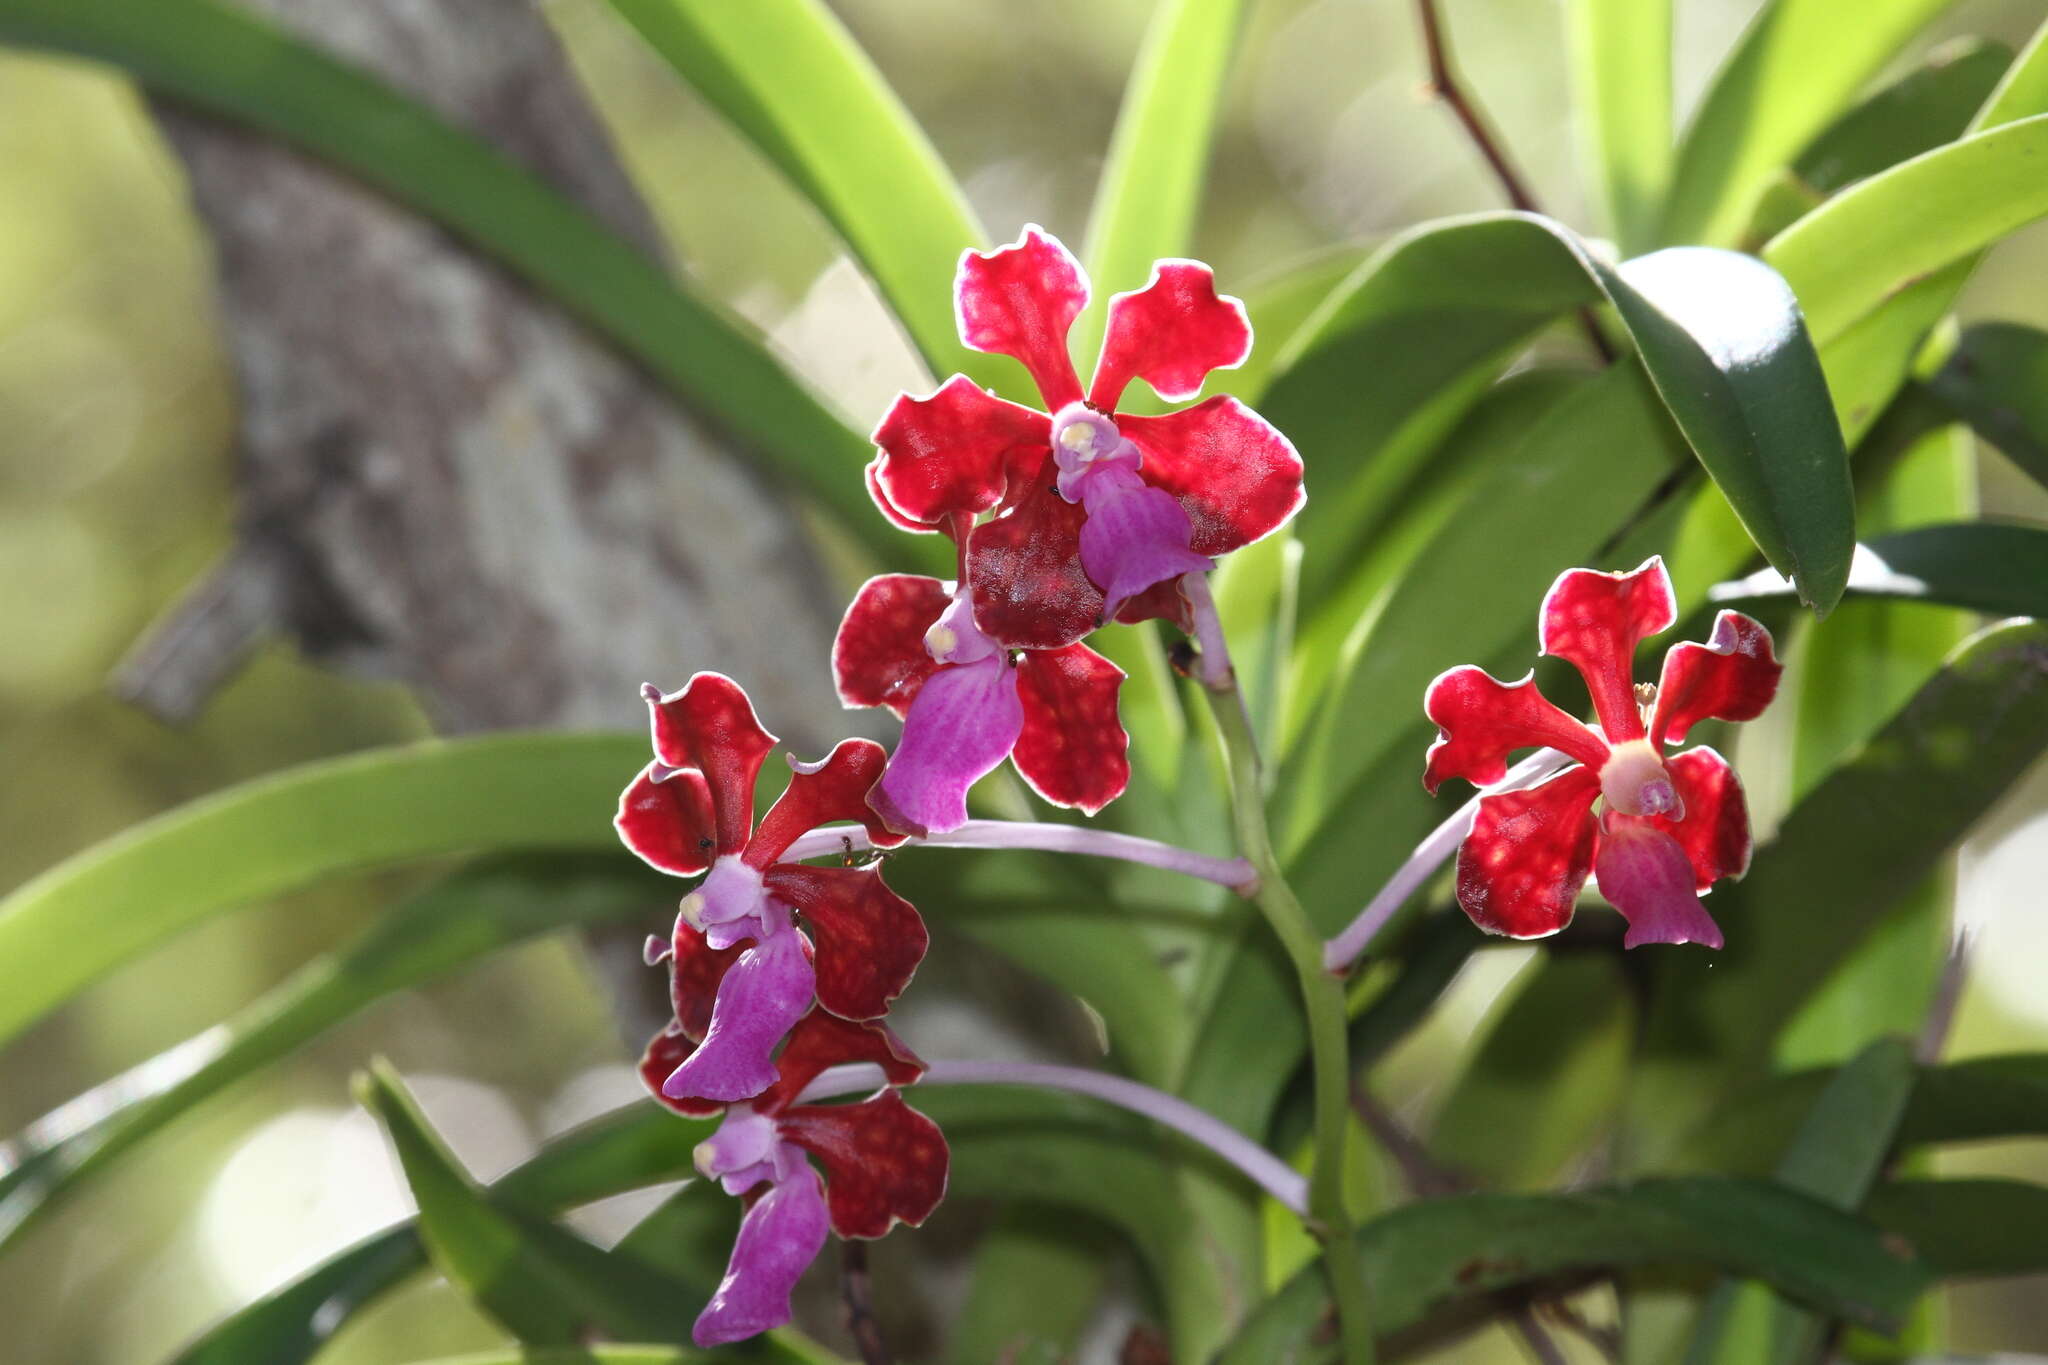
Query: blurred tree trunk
444,479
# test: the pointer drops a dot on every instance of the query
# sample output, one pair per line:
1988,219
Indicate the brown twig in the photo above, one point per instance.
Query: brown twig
1445,85
856,1290
1429,1178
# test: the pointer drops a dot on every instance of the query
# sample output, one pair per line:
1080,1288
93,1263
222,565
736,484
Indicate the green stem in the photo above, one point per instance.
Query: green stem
1322,995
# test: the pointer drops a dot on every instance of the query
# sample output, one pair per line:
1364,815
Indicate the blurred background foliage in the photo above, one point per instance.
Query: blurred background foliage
116,420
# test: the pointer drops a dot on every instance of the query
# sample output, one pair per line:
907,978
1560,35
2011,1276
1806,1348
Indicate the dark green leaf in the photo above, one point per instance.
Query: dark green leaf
1931,104
1967,1227
230,63
1996,379
1997,568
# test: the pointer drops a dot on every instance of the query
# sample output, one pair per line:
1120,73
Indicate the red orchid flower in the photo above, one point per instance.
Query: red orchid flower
692,810
1091,507
1673,825
911,644
884,1162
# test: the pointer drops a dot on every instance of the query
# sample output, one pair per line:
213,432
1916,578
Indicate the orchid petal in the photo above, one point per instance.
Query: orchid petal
1135,536
665,1052
779,1238
963,723
1521,867
710,726
1160,602
761,997
1019,300
1646,875
1480,720
885,1163
745,1150
665,818
878,657
822,1040
869,939
1170,334
1715,831
694,970
1233,471
1733,676
1594,621
953,453
1072,747
1030,590
893,514
834,789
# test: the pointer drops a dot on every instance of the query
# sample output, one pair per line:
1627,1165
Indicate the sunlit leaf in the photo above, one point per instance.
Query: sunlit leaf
1621,68
1997,568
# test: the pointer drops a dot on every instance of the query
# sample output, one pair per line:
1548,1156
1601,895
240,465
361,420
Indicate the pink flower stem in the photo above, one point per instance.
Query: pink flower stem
1265,1170
1213,668
1429,855
1235,873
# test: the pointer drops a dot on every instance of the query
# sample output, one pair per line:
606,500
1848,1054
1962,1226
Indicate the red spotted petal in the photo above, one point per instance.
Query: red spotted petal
885,1163
1733,676
695,969
878,657
822,1040
953,453
1160,602
1030,591
665,1052
1529,853
1170,334
665,816
1715,830
1019,300
1239,478
896,516
823,793
1481,720
710,726
1595,621
1072,747
869,939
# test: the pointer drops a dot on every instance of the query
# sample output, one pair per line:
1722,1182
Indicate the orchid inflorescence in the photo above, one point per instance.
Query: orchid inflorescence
1063,521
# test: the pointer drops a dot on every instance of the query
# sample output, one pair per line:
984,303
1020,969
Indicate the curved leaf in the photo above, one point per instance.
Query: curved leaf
94,911
1996,379
791,78
1967,1227
1998,568
1621,68
1151,185
1793,70
1426,1261
473,913
230,63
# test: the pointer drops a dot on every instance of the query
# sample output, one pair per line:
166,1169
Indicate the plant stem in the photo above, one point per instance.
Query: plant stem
1322,996
1235,873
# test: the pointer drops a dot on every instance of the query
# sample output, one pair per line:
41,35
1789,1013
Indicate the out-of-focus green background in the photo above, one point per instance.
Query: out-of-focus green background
116,424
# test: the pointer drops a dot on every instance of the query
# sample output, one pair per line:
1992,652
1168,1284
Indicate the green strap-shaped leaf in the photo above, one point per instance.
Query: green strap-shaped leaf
94,911
1860,841
1794,69
1621,69
228,62
1151,185
539,1281
1853,253
476,912
1424,1259
1996,379
1836,1156
789,76
1967,1227
1933,103
1719,333
1997,568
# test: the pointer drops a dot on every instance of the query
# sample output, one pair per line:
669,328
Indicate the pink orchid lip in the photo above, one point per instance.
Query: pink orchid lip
744,1151
1084,441
954,638
1646,875
731,904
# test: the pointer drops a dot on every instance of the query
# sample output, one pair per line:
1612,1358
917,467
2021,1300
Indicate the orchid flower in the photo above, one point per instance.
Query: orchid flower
884,1162
1672,825
1091,508
691,811
911,644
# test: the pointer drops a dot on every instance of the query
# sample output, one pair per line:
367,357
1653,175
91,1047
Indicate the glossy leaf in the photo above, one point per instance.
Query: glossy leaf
1793,70
1151,185
473,913
100,908
228,62
1425,1261
789,76
1621,68
1996,379
1997,568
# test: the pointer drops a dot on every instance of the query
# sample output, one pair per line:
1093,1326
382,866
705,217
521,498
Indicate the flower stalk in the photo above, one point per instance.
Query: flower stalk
1235,873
